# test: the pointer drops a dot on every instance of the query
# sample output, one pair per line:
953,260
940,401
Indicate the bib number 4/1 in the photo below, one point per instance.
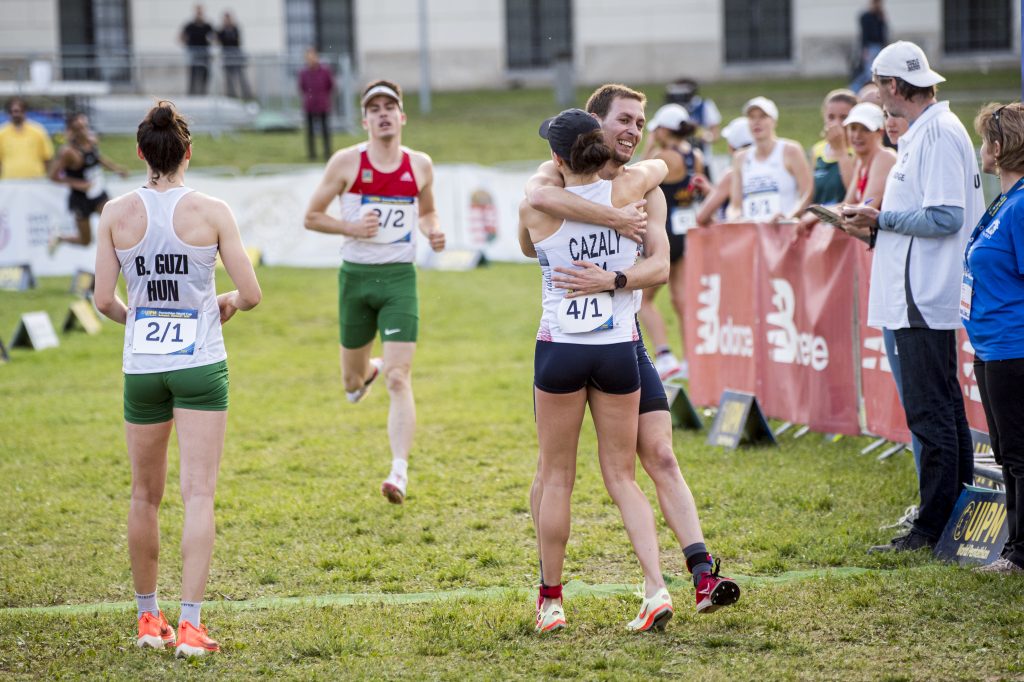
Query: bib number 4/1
586,313
164,331
397,216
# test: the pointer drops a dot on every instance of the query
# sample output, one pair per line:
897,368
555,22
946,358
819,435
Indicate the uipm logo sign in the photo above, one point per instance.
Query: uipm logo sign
789,345
716,338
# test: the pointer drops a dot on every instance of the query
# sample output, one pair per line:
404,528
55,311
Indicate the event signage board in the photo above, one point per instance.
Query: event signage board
82,283
684,415
739,421
35,331
81,315
976,530
17,277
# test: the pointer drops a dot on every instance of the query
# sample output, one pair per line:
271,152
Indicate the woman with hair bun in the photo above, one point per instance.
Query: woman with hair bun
164,239
585,354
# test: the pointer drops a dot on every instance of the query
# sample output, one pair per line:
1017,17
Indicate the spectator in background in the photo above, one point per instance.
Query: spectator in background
316,85
992,307
25,148
869,93
771,181
80,165
874,35
737,135
670,130
196,37
230,38
831,157
932,199
703,113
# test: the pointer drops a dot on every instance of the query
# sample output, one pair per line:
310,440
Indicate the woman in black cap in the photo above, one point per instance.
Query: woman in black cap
585,355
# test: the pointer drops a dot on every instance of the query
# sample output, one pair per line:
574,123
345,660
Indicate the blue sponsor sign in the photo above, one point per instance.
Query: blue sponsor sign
976,530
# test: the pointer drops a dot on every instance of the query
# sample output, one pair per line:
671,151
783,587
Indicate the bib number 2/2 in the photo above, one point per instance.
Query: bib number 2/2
397,217
164,331
586,313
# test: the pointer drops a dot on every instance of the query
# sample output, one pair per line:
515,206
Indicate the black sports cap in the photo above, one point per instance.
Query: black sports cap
561,131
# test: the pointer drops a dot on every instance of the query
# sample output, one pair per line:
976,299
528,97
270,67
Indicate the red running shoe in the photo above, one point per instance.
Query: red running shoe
714,591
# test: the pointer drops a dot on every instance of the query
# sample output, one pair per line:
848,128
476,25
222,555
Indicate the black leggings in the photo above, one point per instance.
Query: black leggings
1000,383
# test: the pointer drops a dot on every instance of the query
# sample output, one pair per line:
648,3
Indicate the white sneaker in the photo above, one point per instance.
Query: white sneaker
655,612
393,488
551,617
376,364
667,365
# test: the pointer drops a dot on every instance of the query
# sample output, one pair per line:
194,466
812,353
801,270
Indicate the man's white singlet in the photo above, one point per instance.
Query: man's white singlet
575,241
173,318
768,188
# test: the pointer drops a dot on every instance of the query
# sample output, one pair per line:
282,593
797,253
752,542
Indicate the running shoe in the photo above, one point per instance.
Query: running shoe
551,617
154,631
655,612
52,244
667,365
376,364
715,591
193,641
393,488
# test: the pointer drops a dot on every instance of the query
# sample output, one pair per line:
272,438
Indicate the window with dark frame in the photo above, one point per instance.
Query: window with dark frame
977,26
538,32
327,25
95,40
758,30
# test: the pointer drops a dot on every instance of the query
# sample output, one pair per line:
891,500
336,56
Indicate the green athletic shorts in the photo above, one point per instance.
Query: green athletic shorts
372,297
151,398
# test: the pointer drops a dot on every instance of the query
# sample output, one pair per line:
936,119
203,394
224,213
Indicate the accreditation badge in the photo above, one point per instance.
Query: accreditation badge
966,292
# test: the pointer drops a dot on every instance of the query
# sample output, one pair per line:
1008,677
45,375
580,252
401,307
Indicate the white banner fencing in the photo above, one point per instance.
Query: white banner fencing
478,207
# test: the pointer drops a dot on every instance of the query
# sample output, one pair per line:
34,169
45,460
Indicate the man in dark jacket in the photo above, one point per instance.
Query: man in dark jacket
316,85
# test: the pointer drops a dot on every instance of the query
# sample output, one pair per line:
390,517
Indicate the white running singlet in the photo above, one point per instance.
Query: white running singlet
603,318
173,318
768,188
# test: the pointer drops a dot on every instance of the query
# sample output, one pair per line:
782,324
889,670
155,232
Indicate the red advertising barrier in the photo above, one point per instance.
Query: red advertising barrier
972,398
807,370
722,322
883,413
785,318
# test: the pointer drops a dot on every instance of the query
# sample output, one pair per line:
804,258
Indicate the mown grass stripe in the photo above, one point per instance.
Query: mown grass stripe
574,588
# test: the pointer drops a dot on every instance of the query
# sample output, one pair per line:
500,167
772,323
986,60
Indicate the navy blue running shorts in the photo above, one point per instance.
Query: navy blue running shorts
652,391
568,367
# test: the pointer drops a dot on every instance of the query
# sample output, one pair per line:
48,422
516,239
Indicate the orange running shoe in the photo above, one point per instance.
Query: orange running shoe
193,641
655,612
154,631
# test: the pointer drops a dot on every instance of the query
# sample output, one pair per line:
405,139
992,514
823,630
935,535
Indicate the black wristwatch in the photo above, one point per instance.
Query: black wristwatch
620,279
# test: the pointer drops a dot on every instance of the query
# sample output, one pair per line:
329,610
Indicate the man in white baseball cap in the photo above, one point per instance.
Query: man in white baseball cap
932,201
906,61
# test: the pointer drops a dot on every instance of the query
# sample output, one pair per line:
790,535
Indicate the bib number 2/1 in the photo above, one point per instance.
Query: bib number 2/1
586,313
397,217
164,331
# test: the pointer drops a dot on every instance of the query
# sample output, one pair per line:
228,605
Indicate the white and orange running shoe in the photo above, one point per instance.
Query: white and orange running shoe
550,618
655,612
154,631
193,641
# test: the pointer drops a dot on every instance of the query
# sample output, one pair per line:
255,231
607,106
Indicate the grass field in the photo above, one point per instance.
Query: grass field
440,587
499,126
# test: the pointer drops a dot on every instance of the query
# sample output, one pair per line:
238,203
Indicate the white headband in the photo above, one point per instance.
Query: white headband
381,90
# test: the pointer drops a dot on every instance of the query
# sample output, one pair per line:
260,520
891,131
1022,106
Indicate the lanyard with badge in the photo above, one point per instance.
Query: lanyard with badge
967,286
